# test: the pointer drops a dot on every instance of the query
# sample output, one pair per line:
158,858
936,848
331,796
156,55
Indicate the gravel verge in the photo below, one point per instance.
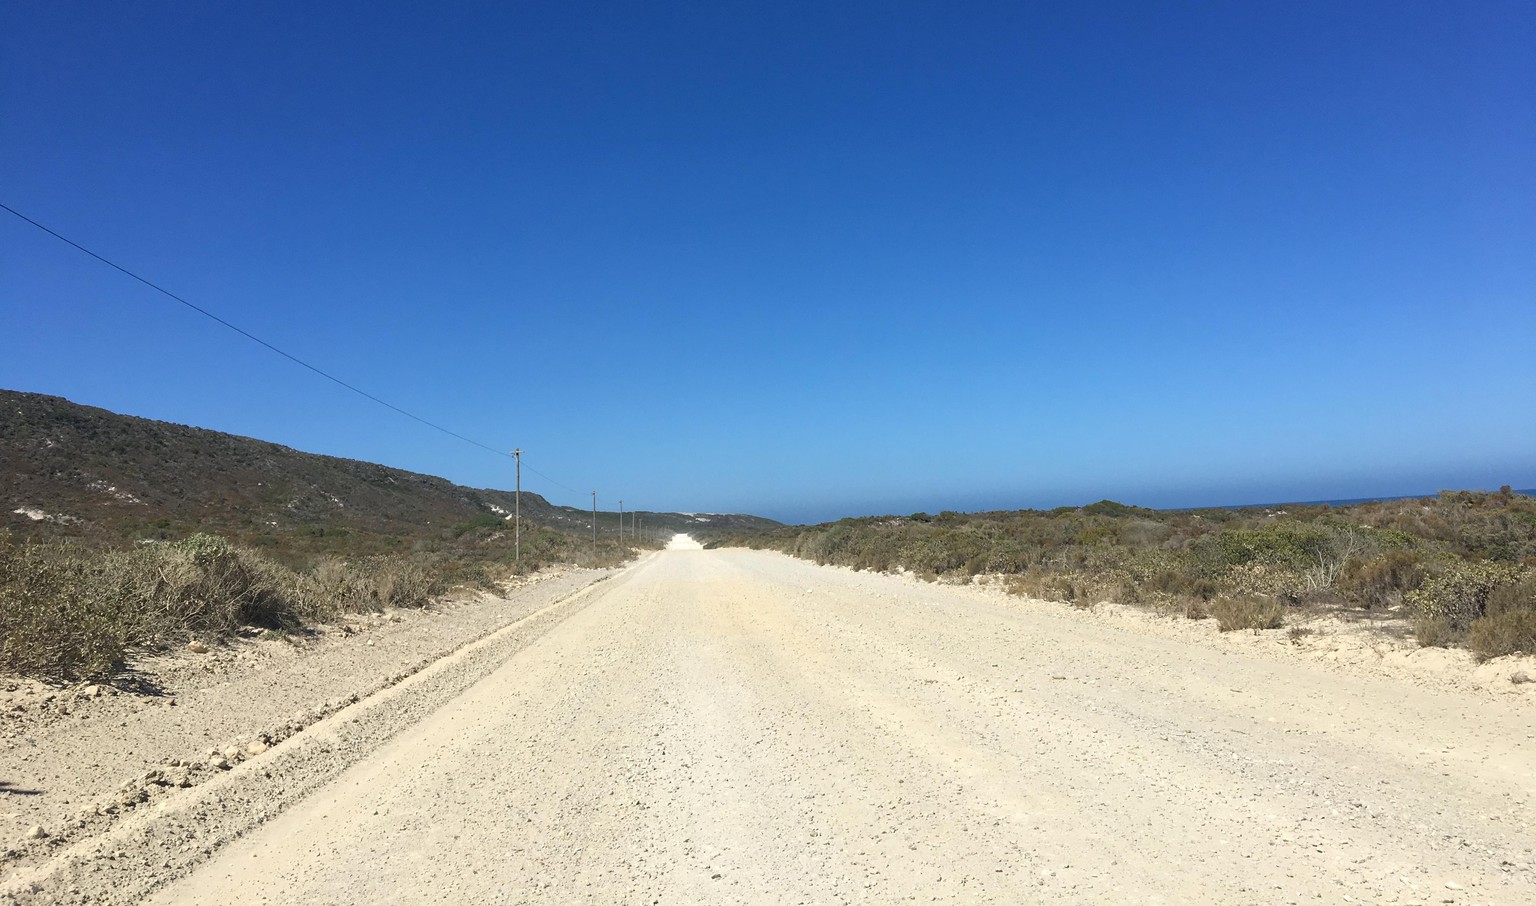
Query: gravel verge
104,788
738,727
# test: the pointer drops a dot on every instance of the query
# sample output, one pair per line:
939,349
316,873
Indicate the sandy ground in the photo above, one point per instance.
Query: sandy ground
740,727
78,762
1362,643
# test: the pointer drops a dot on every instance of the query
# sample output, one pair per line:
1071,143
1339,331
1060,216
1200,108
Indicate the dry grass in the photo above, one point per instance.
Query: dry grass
69,611
1507,633
1435,632
72,612
1247,612
1508,625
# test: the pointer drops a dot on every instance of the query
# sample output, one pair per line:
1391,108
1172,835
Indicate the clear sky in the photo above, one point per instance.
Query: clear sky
798,259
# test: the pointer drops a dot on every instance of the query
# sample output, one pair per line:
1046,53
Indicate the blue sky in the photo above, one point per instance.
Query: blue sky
798,259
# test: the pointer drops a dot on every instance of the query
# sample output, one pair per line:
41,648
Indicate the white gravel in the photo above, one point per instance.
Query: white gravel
82,763
740,727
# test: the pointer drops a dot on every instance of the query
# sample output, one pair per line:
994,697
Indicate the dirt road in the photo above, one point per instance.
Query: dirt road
739,727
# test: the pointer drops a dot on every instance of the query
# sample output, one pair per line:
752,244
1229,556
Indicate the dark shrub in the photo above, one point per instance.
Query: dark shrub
58,617
1381,581
1511,632
1435,632
1516,596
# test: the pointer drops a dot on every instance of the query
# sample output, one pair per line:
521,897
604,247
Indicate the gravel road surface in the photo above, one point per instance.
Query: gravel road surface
740,727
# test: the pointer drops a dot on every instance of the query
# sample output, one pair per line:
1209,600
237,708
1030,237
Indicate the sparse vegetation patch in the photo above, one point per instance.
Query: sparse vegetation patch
1458,567
1247,612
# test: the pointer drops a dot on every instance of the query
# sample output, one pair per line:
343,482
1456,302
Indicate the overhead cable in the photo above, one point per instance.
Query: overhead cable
285,354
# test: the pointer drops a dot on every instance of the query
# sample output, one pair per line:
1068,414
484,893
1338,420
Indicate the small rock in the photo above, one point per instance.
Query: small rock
219,762
256,748
197,647
91,692
232,753
1520,677
131,798
1452,885
36,832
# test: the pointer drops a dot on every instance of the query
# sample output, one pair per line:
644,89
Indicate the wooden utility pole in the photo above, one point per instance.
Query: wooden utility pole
594,519
517,520
621,522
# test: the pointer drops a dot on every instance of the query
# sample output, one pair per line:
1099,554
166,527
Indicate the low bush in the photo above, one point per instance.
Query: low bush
330,587
1435,632
1196,608
72,612
1512,632
1189,608
1515,596
1508,625
398,582
60,616
1450,559
206,584
69,612
1247,612
1175,583
1459,593
1381,581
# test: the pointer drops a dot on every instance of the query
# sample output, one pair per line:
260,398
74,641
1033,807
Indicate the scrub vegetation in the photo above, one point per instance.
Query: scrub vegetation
121,534
72,611
1461,566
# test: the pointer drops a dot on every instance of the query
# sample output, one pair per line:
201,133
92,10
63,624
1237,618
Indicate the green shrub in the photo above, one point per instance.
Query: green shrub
480,521
1247,612
1459,593
1288,545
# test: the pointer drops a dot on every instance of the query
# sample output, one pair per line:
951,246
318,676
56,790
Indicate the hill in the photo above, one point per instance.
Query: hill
83,472
120,535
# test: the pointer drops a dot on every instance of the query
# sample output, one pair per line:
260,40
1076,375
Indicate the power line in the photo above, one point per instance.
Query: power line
552,481
287,355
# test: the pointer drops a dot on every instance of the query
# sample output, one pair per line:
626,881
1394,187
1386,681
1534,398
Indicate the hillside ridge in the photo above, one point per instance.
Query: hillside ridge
77,470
